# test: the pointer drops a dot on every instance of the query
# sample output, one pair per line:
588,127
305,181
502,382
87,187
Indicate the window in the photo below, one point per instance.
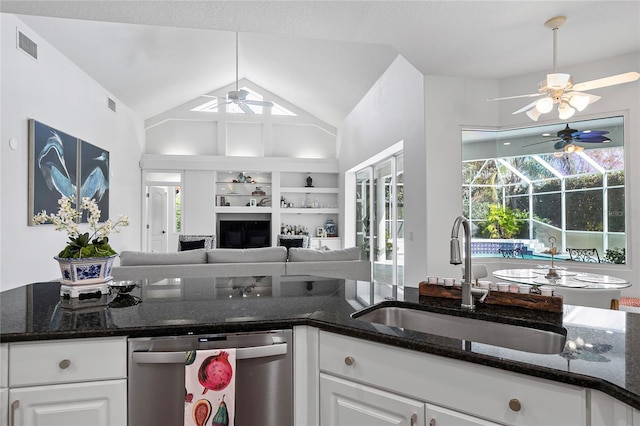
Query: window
218,105
573,193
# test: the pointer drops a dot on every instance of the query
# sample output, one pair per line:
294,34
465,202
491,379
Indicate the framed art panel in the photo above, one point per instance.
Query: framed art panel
94,177
53,166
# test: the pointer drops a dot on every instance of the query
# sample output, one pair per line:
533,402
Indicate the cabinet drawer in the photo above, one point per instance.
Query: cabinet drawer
462,386
37,363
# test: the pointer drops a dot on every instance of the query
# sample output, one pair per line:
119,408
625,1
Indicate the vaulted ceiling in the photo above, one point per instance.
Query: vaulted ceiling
322,56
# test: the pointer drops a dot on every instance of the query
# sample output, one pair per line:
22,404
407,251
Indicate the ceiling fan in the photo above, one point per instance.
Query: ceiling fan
558,88
239,97
567,137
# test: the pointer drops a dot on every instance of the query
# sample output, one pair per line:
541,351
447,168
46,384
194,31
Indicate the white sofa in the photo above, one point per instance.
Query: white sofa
343,263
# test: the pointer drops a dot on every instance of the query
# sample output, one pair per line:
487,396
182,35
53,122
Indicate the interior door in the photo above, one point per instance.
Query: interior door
158,224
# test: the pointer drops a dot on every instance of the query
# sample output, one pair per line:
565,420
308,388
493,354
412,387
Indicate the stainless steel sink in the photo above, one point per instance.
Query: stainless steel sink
468,329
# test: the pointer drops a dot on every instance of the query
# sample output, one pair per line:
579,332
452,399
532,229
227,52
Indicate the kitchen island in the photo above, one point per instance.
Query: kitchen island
605,358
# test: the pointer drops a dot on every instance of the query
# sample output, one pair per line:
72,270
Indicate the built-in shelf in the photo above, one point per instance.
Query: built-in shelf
309,190
309,211
240,209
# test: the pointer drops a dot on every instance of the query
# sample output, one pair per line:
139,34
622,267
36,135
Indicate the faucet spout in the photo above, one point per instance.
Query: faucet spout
467,297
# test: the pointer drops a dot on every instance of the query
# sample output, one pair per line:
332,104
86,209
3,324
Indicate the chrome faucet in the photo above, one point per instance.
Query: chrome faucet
467,289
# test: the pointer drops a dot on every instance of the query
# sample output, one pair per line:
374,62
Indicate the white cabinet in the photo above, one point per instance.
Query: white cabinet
333,243
472,390
69,382
345,403
4,384
608,411
92,403
439,416
4,407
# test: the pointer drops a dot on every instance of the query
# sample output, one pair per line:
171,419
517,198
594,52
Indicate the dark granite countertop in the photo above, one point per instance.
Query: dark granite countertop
175,306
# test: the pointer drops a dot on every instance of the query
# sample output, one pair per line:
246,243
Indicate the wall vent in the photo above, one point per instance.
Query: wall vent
27,45
111,104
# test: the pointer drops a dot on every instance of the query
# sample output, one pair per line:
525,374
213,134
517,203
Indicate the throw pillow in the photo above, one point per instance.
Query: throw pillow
191,245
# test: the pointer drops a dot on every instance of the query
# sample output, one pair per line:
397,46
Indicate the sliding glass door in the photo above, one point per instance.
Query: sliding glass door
380,219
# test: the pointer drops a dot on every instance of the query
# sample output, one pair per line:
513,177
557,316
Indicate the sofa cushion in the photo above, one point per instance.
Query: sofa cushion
252,255
138,258
311,255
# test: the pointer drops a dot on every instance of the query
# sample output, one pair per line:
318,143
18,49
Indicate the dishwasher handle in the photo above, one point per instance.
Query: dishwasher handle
144,357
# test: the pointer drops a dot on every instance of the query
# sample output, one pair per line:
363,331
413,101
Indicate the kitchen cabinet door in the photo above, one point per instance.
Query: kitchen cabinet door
4,383
439,416
346,403
4,406
608,411
78,404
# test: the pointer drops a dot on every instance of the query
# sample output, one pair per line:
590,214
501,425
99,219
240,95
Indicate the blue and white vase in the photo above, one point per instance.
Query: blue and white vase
86,270
330,227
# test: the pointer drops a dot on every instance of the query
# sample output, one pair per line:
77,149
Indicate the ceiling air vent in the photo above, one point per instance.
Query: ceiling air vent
27,45
111,104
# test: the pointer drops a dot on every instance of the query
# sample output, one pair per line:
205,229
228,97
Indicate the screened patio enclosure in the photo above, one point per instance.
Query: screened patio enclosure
576,196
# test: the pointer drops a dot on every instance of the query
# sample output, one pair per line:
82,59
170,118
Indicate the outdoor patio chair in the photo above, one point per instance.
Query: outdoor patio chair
511,253
584,254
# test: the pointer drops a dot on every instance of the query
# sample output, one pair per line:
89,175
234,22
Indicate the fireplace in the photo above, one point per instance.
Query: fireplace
245,233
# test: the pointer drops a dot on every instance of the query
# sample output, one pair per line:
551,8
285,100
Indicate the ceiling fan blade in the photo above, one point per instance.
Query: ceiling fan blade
627,77
530,95
523,109
541,142
561,144
245,108
596,139
588,134
258,103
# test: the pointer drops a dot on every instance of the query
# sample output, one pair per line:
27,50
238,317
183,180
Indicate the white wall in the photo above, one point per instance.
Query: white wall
450,104
56,92
393,111
183,137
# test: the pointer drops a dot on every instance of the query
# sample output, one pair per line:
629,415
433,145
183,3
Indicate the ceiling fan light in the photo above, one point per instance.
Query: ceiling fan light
558,154
533,114
578,148
579,102
544,105
557,81
565,111
569,149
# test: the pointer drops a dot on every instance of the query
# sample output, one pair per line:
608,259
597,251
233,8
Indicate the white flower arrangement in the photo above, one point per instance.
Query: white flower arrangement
89,244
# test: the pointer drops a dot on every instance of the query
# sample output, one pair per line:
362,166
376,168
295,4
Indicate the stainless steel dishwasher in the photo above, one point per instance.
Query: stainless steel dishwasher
264,377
